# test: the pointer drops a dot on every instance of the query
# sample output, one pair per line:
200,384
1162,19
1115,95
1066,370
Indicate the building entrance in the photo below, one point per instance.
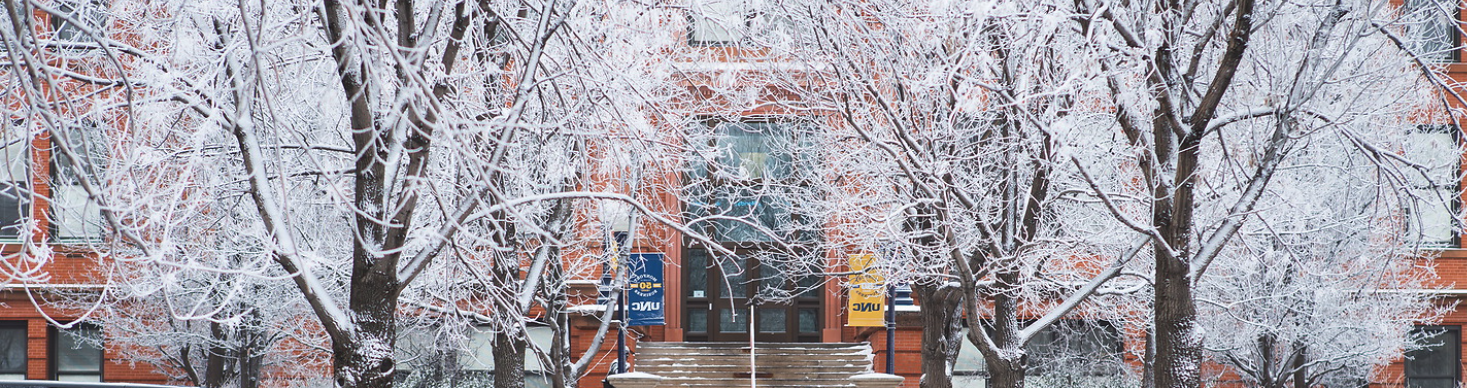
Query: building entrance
719,293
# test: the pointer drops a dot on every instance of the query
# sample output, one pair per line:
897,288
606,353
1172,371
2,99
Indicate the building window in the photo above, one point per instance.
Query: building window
90,12
1431,28
76,354
478,360
15,193
74,215
1436,189
1076,347
738,22
429,357
969,369
743,187
1438,362
1071,352
12,350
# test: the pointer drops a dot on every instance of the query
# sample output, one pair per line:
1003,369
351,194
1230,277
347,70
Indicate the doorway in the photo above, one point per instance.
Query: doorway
719,293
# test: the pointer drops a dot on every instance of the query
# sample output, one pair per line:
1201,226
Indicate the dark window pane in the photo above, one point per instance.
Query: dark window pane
73,214
734,210
736,273
697,267
1438,361
14,208
78,354
1436,148
1430,28
698,321
728,323
809,321
969,362
772,321
808,286
12,348
756,150
772,279
90,12
745,185
1081,347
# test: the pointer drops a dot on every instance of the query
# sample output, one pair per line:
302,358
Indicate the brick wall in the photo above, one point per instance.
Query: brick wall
38,345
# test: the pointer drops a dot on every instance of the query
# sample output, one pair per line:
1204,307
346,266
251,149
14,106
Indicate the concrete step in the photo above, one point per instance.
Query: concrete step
719,365
761,351
721,359
744,383
687,366
744,374
760,346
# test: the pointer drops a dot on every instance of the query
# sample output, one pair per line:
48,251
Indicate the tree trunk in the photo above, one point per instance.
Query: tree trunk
362,365
217,356
367,361
1006,374
509,359
1266,373
1005,369
509,342
251,353
1301,371
1178,348
942,324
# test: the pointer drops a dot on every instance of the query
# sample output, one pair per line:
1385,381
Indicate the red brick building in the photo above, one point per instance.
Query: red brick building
32,347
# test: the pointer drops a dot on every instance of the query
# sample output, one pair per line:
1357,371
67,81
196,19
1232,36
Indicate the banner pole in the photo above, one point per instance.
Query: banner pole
621,331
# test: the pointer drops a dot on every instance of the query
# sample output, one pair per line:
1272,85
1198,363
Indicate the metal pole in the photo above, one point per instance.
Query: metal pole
619,240
621,332
752,370
890,330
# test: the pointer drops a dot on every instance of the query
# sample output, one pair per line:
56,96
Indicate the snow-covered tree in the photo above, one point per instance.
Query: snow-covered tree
362,151
972,141
1324,285
1218,105
936,145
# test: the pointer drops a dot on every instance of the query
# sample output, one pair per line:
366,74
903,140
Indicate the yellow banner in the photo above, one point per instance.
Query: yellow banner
866,304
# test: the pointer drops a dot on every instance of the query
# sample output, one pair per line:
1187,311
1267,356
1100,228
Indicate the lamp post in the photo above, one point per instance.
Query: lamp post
890,329
619,238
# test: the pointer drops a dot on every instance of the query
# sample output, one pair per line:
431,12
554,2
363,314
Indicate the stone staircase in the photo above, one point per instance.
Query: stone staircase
726,365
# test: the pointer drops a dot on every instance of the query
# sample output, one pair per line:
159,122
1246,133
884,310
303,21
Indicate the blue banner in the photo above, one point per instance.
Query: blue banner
644,290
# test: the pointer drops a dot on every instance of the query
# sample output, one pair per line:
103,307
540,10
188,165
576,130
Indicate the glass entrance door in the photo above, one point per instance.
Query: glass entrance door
720,292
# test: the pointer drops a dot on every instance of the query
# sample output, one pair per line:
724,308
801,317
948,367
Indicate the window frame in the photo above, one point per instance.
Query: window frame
713,182
1455,24
23,326
693,40
1035,367
1455,186
24,188
746,37
1456,372
95,165
94,11
54,352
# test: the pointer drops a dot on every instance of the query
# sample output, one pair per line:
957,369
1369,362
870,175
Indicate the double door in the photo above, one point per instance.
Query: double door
725,294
